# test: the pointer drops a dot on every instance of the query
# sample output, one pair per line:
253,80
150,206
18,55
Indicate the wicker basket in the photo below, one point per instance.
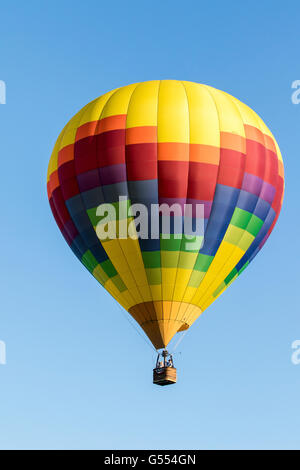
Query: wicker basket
164,376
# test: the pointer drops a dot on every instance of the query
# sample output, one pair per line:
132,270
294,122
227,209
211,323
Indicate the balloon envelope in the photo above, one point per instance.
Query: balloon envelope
166,142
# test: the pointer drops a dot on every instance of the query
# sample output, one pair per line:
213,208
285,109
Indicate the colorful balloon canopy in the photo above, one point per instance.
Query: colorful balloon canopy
168,142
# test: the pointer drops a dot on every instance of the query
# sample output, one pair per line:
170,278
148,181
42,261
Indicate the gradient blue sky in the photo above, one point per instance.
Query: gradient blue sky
78,375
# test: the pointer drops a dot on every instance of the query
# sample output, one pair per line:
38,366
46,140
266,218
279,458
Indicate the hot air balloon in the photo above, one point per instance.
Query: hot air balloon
166,142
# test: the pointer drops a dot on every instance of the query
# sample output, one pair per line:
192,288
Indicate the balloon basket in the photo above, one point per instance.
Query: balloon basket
164,376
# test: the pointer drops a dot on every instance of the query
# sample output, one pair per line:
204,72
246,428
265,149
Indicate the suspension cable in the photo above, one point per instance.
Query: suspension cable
179,341
136,329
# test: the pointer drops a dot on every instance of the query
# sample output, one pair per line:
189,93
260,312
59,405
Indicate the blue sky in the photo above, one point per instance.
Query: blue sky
77,374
